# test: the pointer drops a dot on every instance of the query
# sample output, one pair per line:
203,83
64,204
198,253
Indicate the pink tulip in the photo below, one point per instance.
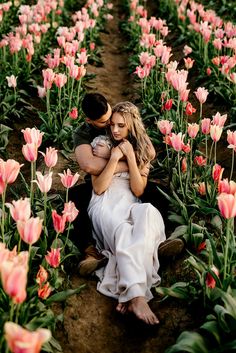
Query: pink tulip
42,275
59,222
187,50
201,93
231,139
210,281
53,257
193,130
60,80
165,126
70,211
224,186
14,280
205,126
227,205
200,161
68,180
20,340
44,182
184,165
30,230
217,172
20,210
9,170
41,92
189,109
44,291
11,81
48,78
188,63
183,95
215,132
219,119
202,188
177,141
30,152
51,157
73,114
33,136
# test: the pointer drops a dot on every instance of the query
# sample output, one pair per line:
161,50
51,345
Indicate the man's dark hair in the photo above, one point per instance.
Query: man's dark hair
94,105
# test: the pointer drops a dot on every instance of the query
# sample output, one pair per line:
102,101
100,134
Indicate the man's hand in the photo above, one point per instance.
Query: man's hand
102,151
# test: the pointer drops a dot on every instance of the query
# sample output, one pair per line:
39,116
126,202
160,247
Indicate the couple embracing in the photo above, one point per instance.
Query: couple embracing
119,234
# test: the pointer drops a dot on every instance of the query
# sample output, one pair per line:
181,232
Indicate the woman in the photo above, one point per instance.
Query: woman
126,231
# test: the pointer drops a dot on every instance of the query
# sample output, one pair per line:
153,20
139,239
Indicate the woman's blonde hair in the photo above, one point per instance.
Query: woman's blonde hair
137,134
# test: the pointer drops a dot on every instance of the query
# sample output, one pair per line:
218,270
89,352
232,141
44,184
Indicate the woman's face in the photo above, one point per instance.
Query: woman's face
118,127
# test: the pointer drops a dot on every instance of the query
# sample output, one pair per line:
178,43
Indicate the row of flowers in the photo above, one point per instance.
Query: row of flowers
36,225
202,201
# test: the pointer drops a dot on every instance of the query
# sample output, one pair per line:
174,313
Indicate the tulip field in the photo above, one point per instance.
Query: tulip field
181,70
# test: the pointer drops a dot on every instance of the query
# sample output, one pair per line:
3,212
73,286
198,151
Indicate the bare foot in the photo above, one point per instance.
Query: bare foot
141,309
122,308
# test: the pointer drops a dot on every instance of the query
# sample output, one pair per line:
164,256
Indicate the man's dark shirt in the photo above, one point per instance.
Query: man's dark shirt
85,134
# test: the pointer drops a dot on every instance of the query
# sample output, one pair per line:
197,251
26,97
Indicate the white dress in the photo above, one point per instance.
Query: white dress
128,233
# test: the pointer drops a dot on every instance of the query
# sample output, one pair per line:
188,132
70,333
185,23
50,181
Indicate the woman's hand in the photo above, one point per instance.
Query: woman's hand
127,149
116,153
102,150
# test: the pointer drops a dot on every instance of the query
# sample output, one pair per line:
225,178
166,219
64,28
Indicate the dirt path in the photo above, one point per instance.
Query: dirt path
91,323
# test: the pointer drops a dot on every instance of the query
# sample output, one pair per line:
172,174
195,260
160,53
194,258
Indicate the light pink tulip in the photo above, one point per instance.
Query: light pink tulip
177,141
231,139
70,211
30,230
201,93
53,257
200,161
219,119
187,50
44,182
227,205
68,180
188,63
60,80
20,340
165,126
205,126
20,210
11,81
202,188
33,135
193,130
41,92
51,157
30,152
9,170
224,186
215,132
14,280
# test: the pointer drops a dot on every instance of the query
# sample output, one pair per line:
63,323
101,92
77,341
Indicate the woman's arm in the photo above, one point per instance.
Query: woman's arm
103,180
138,179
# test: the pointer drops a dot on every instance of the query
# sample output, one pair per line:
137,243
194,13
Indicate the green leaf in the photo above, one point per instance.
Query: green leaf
61,296
179,231
178,290
191,342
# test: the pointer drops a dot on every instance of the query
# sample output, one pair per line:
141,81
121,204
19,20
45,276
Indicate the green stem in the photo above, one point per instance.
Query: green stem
67,235
3,215
78,92
45,211
206,152
71,93
226,250
232,165
180,179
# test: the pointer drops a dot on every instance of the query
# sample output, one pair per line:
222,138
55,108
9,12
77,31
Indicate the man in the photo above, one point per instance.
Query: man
98,112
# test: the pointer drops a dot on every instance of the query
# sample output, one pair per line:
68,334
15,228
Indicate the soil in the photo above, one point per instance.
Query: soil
90,321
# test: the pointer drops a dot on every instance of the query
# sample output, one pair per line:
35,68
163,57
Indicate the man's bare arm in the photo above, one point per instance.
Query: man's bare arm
92,164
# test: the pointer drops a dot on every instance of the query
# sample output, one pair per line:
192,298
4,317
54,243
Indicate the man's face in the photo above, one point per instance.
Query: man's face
103,121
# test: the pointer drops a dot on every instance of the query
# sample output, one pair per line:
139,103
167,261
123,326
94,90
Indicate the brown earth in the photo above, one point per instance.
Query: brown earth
90,321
